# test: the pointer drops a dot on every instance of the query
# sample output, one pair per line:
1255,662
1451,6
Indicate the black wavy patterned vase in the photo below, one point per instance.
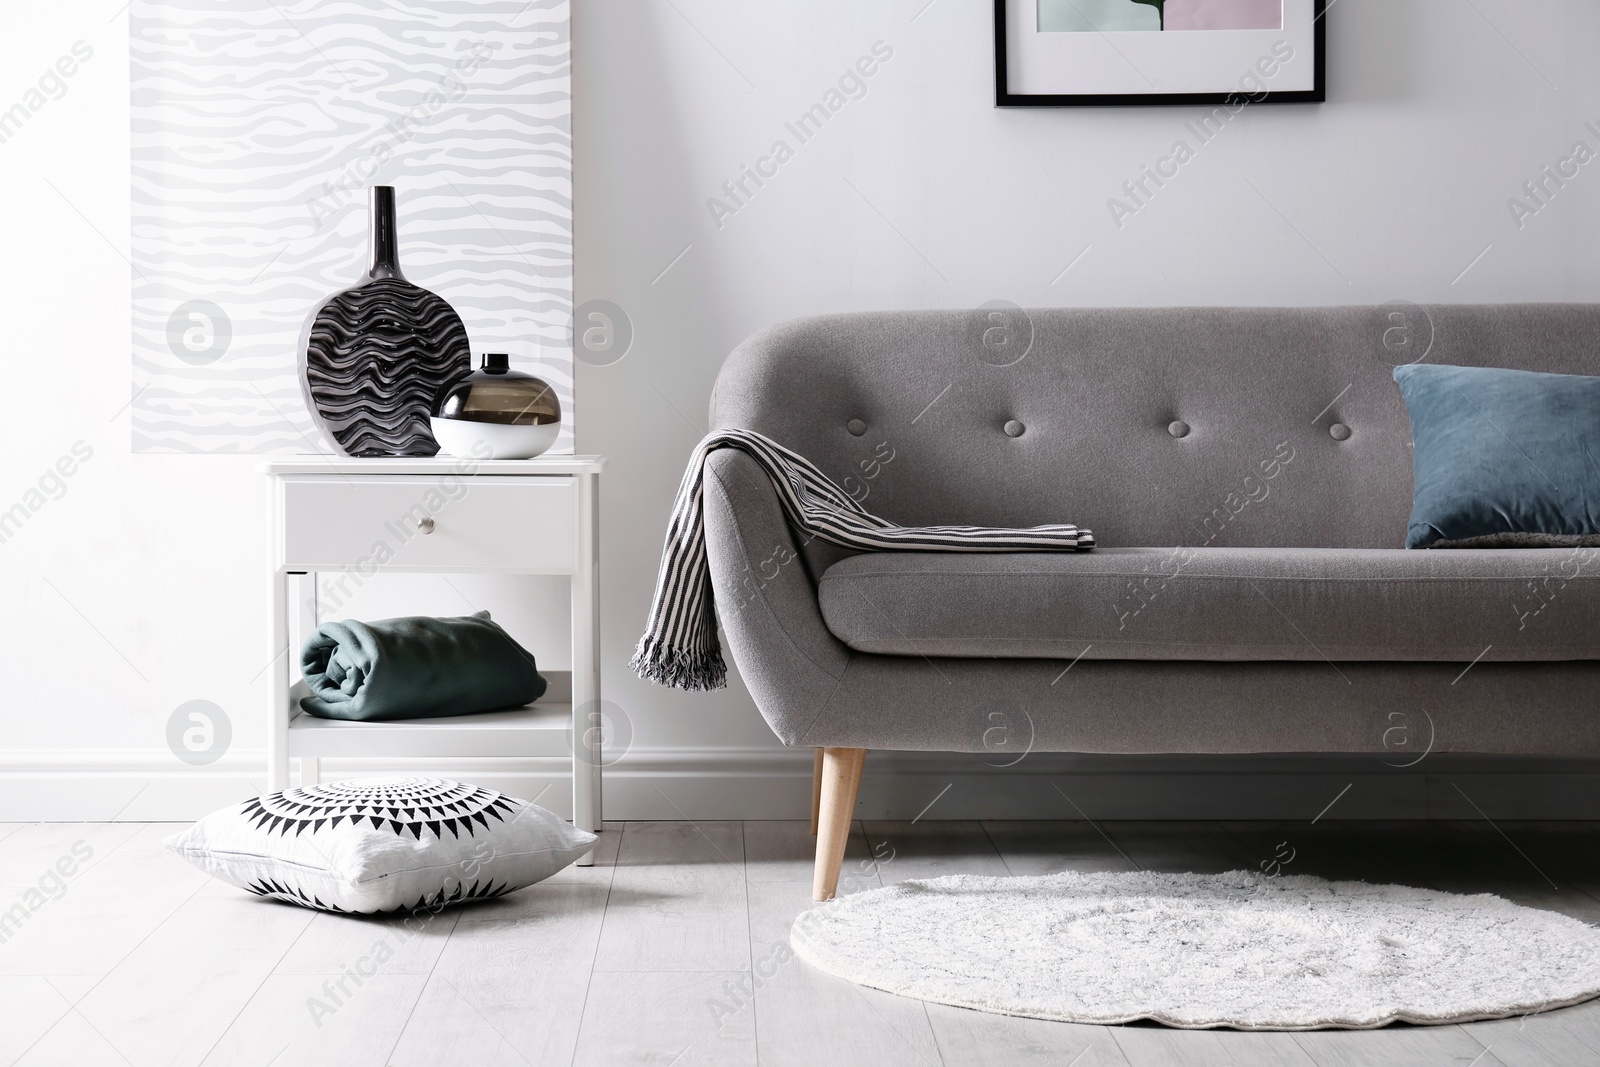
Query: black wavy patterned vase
377,357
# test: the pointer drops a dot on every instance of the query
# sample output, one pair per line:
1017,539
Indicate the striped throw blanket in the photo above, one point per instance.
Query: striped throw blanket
679,647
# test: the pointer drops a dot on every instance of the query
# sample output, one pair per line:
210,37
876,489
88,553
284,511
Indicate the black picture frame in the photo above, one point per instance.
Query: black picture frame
1004,98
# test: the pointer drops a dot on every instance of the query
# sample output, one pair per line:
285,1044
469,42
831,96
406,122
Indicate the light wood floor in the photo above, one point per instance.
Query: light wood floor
668,951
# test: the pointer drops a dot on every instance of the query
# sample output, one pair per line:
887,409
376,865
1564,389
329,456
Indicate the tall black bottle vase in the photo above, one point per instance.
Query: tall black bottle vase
375,358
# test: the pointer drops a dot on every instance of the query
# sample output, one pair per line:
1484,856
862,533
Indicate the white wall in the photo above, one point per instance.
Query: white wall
141,588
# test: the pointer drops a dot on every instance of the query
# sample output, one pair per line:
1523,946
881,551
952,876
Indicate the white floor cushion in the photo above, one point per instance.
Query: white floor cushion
382,844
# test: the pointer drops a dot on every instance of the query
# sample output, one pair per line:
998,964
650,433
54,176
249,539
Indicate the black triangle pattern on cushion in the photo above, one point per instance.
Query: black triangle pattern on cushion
403,806
276,890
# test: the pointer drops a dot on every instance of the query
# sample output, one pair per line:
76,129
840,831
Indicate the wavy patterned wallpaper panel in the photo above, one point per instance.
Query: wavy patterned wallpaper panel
257,128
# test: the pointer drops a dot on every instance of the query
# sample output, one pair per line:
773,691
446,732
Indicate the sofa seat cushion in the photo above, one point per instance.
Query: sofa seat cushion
1221,604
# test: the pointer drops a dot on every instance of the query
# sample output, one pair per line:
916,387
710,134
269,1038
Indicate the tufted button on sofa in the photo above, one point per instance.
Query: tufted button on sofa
1247,474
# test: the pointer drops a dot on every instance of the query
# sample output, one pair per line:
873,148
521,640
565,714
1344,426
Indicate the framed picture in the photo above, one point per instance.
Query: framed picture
1108,53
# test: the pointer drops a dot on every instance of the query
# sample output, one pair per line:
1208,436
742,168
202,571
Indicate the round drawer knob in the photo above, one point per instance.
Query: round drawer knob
1339,432
856,427
425,525
1014,428
1178,428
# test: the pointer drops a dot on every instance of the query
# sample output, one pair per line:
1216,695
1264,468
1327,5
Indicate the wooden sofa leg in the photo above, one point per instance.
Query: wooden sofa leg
841,780
816,790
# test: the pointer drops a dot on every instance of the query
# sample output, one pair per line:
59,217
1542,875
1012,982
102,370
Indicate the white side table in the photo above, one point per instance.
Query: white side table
366,516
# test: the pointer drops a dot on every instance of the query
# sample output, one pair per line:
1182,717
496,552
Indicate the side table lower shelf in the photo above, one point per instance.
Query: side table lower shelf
533,730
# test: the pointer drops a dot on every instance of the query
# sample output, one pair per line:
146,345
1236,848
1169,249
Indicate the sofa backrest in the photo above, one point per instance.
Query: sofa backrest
1296,433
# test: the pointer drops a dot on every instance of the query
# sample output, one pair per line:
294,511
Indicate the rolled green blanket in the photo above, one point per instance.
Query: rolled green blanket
416,668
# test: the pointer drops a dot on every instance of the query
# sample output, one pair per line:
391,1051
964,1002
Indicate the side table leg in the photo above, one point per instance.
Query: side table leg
278,688
587,717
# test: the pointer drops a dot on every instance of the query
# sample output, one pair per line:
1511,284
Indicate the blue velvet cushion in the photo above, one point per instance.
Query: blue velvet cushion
1503,455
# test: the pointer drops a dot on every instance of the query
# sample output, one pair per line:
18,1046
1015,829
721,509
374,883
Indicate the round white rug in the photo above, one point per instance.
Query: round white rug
1238,950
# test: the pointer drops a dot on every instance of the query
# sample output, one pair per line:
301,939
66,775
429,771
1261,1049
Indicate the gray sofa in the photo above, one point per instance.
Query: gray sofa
1247,474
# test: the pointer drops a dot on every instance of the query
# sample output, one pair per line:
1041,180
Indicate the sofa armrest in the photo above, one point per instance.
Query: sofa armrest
766,600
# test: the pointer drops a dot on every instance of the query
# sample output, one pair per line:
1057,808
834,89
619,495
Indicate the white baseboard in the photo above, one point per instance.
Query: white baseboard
716,784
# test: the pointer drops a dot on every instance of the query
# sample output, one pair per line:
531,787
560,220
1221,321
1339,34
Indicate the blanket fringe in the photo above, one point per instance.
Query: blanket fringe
679,668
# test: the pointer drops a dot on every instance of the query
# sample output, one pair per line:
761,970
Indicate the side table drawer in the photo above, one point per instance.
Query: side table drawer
479,522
